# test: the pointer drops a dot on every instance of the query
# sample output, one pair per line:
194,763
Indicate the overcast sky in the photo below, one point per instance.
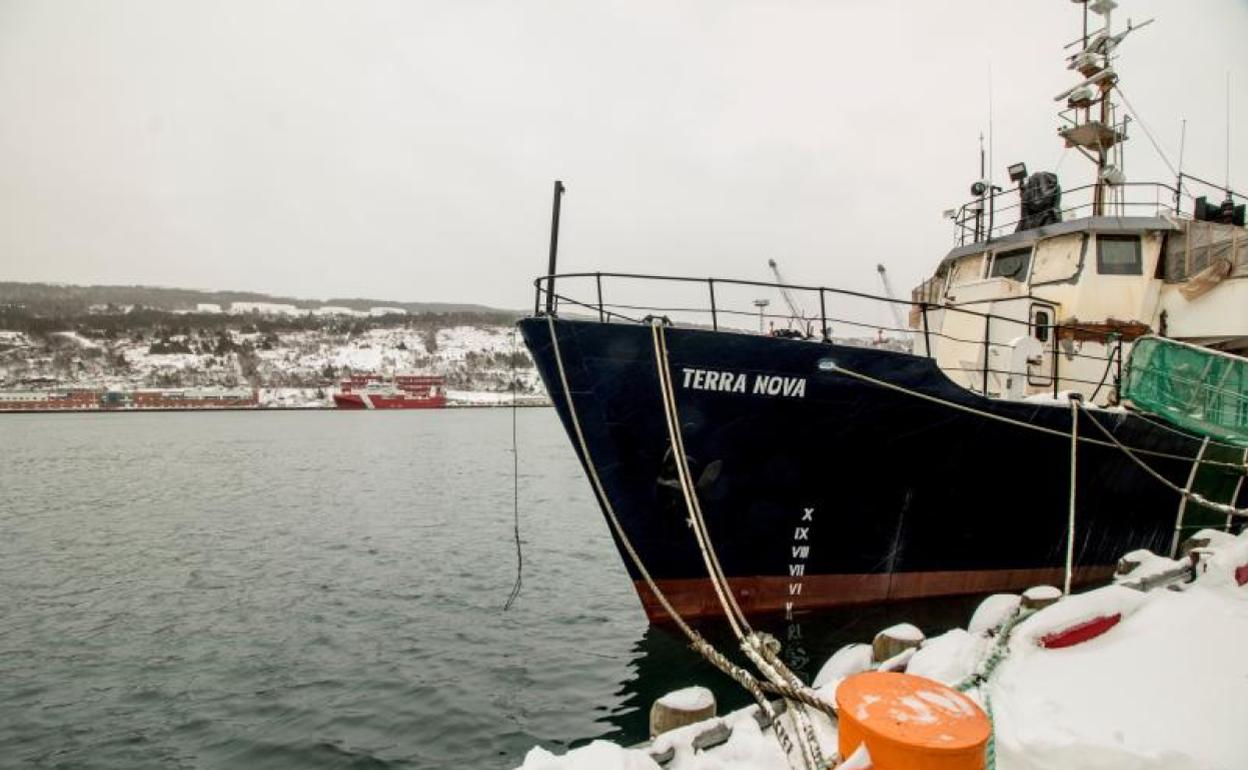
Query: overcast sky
406,150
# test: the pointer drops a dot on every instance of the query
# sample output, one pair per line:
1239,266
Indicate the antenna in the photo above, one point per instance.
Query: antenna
992,189
990,166
1178,187
1085,24
1228,135
983,188
1099,136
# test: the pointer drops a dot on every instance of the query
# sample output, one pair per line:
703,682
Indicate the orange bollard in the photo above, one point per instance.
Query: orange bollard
911,723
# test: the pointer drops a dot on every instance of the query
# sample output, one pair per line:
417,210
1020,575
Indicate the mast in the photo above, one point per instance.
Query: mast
1089,123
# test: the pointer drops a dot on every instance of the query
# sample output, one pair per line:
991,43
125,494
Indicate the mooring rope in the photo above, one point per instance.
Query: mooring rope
1168,427
736,618
601,492
981,678
696,641
1112,441
1195,497
515,481
1016,422
751,643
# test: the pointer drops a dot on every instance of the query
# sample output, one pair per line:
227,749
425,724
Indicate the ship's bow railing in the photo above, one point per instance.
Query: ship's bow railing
918,325
726,304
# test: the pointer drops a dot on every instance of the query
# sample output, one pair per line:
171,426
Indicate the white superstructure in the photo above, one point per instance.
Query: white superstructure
1046,292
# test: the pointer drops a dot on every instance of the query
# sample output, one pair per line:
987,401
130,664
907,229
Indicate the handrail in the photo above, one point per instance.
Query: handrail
1114,354
979,219
607,312
976,221
541,281
835,320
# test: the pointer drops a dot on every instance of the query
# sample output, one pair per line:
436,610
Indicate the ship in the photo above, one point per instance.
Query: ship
1011,442
402,391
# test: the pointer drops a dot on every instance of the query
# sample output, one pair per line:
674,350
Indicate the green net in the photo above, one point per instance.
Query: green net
1203,390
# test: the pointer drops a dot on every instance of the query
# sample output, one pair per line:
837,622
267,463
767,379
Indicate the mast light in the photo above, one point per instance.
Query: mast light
1018,172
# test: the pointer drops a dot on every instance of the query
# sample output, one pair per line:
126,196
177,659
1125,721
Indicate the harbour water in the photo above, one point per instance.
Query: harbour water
325,590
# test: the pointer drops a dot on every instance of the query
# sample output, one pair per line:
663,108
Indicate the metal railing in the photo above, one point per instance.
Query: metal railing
999,213
713,312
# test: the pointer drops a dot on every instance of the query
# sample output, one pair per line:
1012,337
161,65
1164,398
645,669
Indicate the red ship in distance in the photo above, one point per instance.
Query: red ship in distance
402,391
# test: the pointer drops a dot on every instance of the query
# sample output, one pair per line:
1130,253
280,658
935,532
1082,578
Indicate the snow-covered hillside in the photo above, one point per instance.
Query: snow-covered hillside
482,363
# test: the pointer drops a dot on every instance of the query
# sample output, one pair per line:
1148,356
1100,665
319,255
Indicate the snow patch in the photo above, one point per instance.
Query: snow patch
79,340
915,711
1163,690
850,659
992,612
859,760
956,706
599,755
1148,564
1216,538
1042,594
899,661
950,657
1226,566
689,699
904,632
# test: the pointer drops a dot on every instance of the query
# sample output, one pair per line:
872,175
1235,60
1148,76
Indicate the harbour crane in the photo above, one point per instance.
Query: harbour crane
888,292
789,299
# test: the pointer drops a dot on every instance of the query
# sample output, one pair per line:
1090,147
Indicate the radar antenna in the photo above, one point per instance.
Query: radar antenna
1089,122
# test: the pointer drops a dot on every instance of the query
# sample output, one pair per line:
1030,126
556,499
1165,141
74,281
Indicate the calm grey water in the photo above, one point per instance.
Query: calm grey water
323,590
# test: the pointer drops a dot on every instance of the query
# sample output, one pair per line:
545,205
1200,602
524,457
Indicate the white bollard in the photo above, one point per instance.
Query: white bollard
680,708
1039,597
895,640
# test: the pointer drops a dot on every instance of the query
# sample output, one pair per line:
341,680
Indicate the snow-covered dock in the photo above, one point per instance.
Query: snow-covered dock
1148,673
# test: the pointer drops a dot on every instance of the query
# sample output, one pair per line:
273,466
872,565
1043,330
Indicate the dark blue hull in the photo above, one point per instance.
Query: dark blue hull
838,491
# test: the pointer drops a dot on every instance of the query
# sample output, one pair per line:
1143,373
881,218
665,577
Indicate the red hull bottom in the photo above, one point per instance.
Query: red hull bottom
368,401
695,598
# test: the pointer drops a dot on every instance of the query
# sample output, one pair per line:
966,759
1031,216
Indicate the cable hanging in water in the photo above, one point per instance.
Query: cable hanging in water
515,483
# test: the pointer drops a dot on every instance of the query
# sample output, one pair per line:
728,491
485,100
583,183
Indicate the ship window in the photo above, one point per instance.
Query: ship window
1042,325
966,270
1011,264
1119,255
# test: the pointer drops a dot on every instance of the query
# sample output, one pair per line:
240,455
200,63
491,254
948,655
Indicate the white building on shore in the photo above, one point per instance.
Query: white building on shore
264,308
336,310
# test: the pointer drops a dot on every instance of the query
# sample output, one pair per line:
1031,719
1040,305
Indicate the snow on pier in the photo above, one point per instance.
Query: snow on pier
1147,673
